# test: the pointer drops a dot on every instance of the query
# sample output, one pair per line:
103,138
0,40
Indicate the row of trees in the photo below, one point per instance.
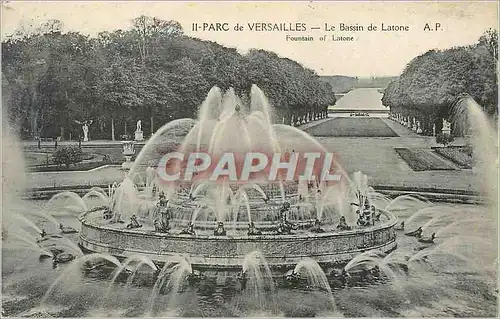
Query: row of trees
152,72
432,81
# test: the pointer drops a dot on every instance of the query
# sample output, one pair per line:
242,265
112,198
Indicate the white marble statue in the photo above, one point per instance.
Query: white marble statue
85,128
139,126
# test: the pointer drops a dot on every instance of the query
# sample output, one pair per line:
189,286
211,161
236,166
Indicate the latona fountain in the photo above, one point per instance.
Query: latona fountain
231,248
215,224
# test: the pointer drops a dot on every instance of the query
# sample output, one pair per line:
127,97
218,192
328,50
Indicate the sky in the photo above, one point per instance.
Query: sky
374,53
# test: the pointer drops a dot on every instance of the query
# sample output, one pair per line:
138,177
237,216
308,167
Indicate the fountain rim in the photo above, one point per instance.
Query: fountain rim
391,222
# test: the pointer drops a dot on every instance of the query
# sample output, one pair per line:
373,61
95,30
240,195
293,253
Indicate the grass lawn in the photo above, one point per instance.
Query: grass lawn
43,161
82,166
460,155
45,157
423,160
356,127
36,158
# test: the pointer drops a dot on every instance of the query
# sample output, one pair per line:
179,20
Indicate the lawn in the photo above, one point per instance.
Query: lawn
94,155
42,161
423,160
37,158
356,127
82,166
460,155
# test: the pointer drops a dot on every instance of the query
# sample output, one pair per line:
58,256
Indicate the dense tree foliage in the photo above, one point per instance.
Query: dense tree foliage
432,81
52,80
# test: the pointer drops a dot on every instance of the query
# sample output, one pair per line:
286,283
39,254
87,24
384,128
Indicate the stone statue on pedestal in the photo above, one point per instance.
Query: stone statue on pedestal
85,128
419,128
139,135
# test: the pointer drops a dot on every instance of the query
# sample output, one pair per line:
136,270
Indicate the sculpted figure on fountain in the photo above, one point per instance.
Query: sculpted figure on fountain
317,227
67,229
282,212
284,226
133,222
195,277
366,212
189,230
162,215
343,224
252,230
416,233
220,231
157,225
243,279
107,214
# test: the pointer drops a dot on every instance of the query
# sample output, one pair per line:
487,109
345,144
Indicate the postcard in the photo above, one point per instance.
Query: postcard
249,159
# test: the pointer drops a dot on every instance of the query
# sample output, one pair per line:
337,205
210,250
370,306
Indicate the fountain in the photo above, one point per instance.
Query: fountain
204,248
215,224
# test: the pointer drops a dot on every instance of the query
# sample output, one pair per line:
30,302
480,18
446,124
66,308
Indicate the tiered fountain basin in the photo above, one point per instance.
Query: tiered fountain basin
265,207
226,253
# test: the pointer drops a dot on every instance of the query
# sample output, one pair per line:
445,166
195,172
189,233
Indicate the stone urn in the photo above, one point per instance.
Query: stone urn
128,152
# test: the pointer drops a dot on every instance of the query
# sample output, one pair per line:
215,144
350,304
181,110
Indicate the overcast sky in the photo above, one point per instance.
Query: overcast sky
371,54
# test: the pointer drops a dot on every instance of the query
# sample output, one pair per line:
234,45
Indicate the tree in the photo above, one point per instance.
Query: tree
67,155
490,40
151,70
119,94
432,81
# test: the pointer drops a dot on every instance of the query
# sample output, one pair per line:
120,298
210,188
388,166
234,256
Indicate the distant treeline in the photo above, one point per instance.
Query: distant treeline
152,72
343,84
432,81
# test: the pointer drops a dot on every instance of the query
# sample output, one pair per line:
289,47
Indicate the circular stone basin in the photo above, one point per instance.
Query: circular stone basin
223,253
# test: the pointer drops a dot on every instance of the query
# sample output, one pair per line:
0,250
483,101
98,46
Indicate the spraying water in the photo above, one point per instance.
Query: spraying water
467,115
259,277
141,260
74,268
68,198
173,273
312,271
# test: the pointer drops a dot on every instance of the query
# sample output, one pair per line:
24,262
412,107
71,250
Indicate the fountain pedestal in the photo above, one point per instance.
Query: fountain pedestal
139,136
